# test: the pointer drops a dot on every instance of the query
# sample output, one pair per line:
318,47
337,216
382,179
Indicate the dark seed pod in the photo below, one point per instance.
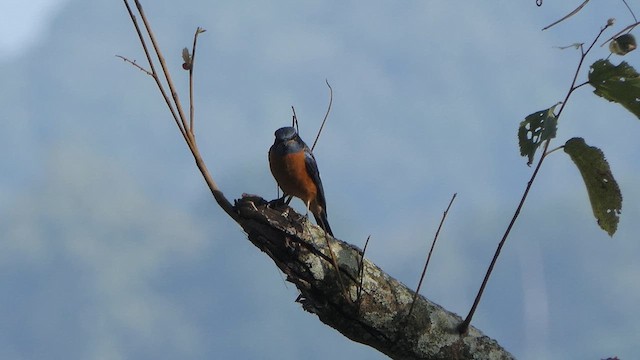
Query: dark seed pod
623,44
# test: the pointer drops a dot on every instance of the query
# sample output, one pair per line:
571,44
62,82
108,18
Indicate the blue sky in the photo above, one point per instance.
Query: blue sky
112,248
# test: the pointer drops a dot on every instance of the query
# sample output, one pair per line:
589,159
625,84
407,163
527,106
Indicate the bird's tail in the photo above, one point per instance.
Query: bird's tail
321,219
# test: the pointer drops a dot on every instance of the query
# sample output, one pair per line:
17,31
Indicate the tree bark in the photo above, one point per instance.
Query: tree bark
375,312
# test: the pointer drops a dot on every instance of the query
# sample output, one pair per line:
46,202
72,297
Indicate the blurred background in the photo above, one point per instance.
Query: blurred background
111,246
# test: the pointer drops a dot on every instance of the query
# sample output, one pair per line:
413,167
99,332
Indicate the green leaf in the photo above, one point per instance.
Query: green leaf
619,84
536,128
603,190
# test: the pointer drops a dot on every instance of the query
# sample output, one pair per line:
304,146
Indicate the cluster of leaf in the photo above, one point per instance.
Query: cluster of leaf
619,84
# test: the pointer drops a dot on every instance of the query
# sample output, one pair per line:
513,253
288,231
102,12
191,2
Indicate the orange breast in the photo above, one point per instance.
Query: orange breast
290,171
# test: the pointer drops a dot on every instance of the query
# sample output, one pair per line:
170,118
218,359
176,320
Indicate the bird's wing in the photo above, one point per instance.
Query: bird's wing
312,170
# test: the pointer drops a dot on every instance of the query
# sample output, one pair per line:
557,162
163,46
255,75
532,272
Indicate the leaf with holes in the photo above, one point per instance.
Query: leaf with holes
619,84
536,128
603,190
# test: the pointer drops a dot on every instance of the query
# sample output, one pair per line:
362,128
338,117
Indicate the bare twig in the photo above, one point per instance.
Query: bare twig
334,260
191,66
426,264
580,85
464,326
135,64
163,66
154,73
333,256
568,15
294,121
326,115
361,271
631,11
554,150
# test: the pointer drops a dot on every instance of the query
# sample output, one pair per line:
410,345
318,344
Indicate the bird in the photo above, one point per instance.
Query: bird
295,169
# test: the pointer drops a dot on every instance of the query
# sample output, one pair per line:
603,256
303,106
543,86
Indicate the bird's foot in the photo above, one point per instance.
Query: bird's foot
276,203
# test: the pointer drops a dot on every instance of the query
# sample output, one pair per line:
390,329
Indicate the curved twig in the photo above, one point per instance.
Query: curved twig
433,244
575,11
631,11
361,272
192,60
326,115
134,63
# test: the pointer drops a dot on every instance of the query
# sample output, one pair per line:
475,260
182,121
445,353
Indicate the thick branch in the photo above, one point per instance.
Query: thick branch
379,319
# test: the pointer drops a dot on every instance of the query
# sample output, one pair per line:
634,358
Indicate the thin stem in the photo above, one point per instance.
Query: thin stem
294,121
553,150
334,260
154,73
191,66
135,64
326,115
464,326
575,11
426,264
580,85
165,70
361,271
631,11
